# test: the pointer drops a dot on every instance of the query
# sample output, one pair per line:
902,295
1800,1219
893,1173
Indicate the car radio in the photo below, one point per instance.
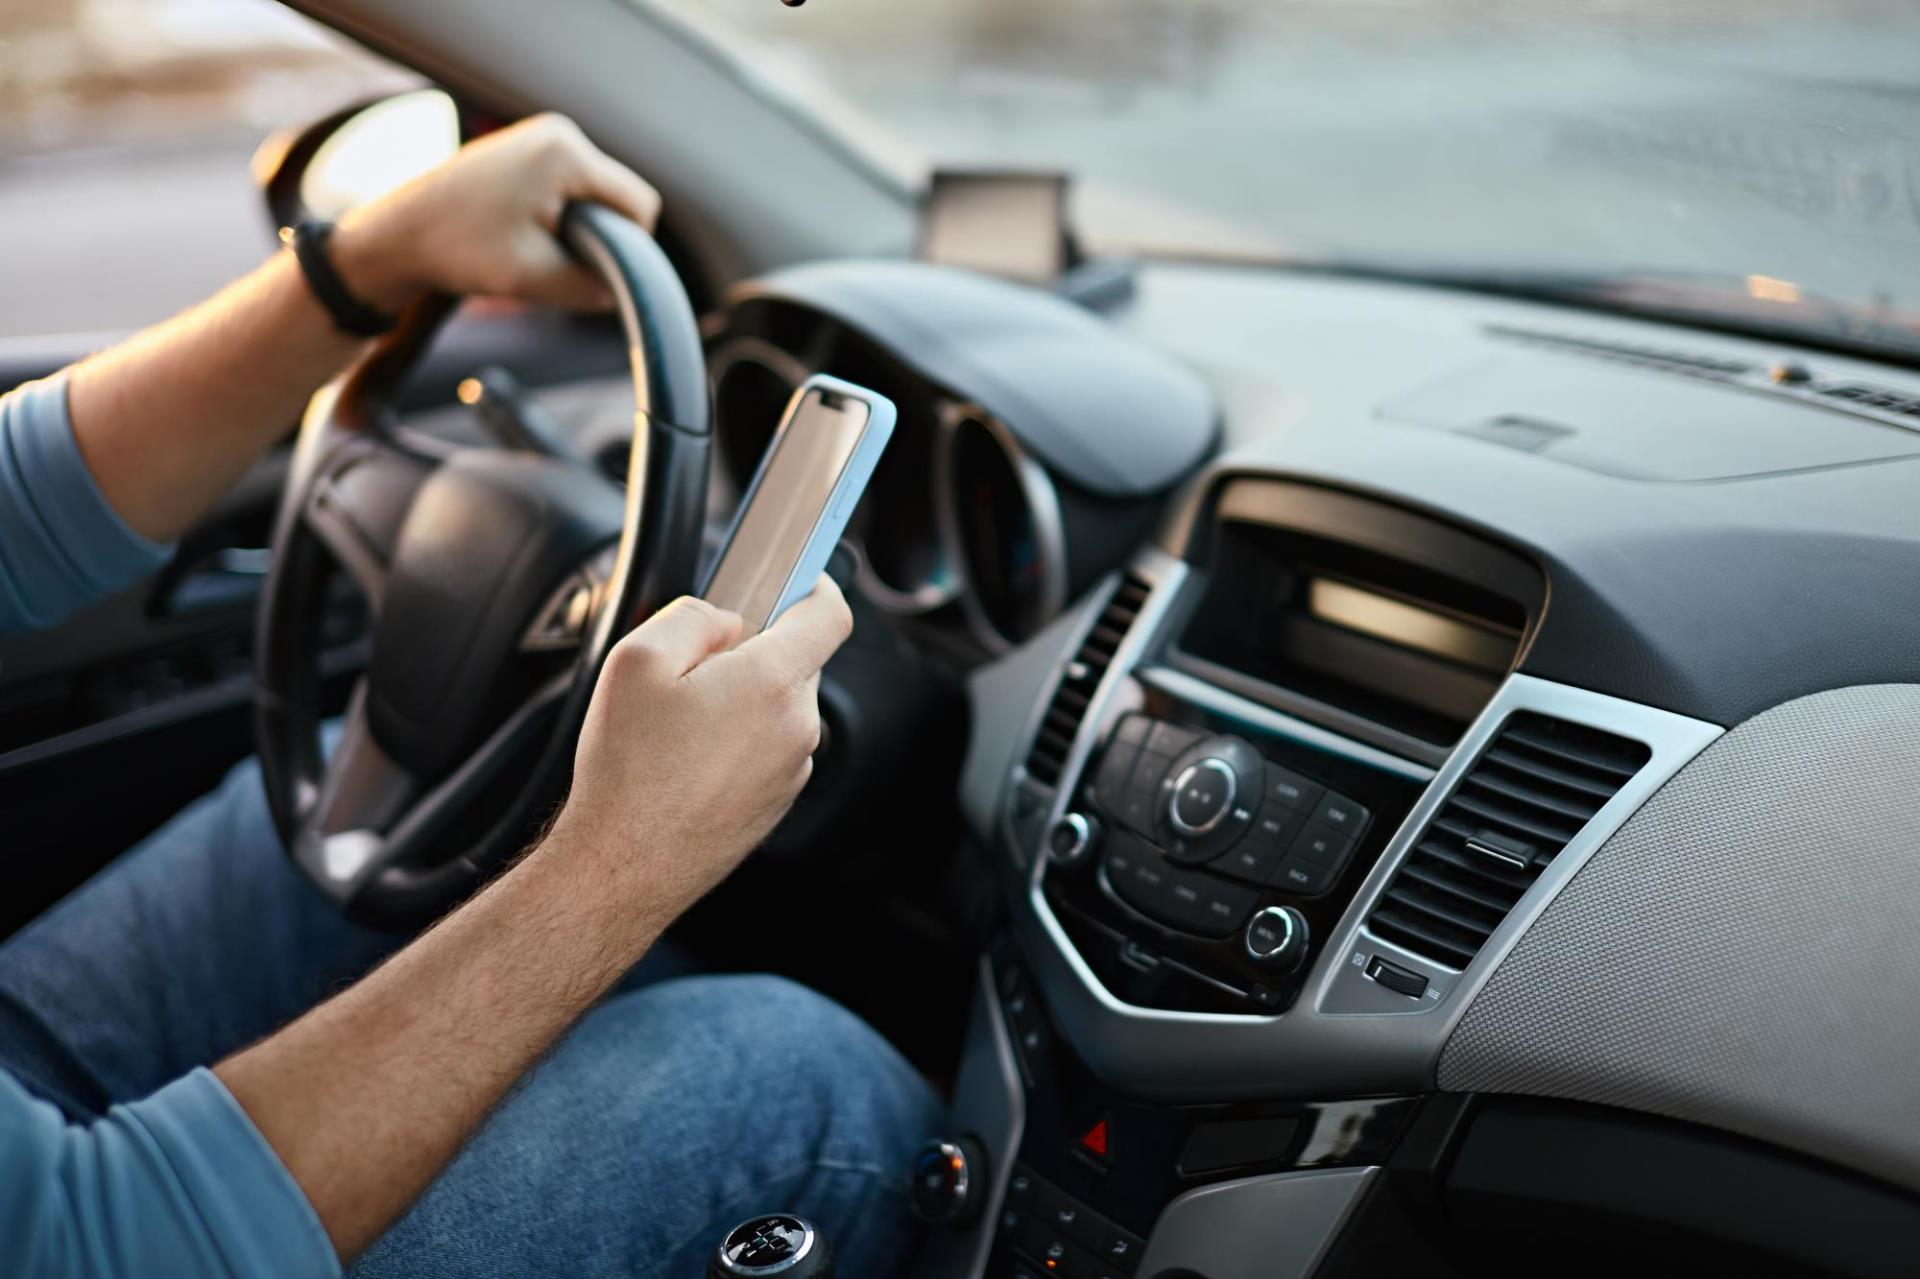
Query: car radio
1197,870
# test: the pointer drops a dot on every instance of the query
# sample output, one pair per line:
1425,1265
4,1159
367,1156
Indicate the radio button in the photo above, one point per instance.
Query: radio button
1308,879
1253,859
1341,813
1290,790
1170,739
1222,908
1323,845
1110,784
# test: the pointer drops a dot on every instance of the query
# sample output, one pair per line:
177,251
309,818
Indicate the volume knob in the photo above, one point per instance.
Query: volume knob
1277,938
1071,840
1203,795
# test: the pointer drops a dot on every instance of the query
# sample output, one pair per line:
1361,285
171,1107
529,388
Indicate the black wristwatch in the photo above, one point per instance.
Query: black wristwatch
350,314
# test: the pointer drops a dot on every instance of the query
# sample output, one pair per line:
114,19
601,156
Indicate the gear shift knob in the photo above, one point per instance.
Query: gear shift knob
777,1245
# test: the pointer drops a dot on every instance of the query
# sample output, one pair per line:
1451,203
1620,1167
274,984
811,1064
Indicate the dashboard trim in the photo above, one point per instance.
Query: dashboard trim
1341,989
792,370
1043,504
1195,691
1342,1038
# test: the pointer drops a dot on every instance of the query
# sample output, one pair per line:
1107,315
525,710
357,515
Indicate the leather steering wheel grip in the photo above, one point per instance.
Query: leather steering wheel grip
392,849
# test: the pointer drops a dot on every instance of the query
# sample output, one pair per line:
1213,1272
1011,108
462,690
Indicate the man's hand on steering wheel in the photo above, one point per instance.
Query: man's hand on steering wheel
487,222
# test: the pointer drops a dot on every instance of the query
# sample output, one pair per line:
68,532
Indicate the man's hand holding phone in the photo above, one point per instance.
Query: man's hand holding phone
696,744
813,474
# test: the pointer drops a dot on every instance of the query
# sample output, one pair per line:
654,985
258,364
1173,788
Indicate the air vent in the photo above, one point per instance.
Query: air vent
1529,793
1048,758
1787,379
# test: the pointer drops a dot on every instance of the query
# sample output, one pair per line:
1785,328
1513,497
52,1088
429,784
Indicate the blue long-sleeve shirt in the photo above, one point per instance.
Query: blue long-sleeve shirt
181,1182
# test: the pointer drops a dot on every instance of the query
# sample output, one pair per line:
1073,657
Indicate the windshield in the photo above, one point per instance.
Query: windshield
1762,156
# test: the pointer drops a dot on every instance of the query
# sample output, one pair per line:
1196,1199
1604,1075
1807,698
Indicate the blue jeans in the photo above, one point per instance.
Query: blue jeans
678,1107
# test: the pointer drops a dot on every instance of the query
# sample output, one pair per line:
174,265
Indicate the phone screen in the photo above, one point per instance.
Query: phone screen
786,501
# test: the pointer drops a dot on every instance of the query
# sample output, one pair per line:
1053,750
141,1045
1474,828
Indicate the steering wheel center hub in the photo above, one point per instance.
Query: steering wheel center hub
488,537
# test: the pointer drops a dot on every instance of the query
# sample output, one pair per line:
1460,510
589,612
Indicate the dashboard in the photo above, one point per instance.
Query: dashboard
1455,737
1022,465
1407,732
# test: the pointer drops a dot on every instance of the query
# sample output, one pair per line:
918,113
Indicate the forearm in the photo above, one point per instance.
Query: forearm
167,421
367,1097
170,419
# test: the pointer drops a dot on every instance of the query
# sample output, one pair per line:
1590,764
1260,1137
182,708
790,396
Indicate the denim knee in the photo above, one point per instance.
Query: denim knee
671,1113
841,1093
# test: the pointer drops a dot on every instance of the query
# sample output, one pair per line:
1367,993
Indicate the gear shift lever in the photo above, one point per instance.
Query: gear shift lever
777,1244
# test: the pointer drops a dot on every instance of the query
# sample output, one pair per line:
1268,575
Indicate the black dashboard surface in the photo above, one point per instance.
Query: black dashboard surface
1713,598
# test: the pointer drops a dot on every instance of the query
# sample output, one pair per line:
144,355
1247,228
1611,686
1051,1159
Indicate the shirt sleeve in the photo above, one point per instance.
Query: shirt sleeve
180,1183
61,545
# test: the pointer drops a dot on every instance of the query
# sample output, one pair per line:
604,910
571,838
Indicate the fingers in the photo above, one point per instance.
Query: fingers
801,640
614,184
592,174
679,637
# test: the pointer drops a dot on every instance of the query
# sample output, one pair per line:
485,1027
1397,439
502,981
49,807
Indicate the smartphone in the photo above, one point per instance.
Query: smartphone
797,506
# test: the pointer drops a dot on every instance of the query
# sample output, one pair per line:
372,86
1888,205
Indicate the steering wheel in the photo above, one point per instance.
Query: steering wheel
498,581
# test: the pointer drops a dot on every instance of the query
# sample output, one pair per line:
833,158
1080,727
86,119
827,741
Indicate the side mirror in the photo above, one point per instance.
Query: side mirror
355,155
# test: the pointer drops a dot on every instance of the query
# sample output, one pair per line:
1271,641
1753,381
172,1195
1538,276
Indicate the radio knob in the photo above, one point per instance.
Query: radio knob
1277,938
1203,795
1072,839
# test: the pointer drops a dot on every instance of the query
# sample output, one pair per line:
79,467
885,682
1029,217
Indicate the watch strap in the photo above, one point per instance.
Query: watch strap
350,315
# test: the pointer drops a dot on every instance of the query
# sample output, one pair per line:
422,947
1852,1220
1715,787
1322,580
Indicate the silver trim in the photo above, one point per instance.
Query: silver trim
789,368
800,1254
1209,697
1180,823
1082,840
1345,1036
923,598
1512,861
792,370
1283,913
990,1104
555,625
1043,506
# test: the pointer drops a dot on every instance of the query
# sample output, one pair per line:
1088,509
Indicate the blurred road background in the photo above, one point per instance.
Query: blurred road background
125,131
1774,138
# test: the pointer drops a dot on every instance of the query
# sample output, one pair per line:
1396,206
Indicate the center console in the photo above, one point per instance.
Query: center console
1200,870
1278,802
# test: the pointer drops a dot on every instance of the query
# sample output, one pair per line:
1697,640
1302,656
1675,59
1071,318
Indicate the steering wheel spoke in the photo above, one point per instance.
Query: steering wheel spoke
356,503
341,835
371,816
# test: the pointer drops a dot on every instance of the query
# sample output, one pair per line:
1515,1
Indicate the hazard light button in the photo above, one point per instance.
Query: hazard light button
1094,1140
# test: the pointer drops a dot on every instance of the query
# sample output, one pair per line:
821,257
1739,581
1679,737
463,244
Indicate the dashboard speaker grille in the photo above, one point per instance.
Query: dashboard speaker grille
1048,757
1532,790
1871,397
